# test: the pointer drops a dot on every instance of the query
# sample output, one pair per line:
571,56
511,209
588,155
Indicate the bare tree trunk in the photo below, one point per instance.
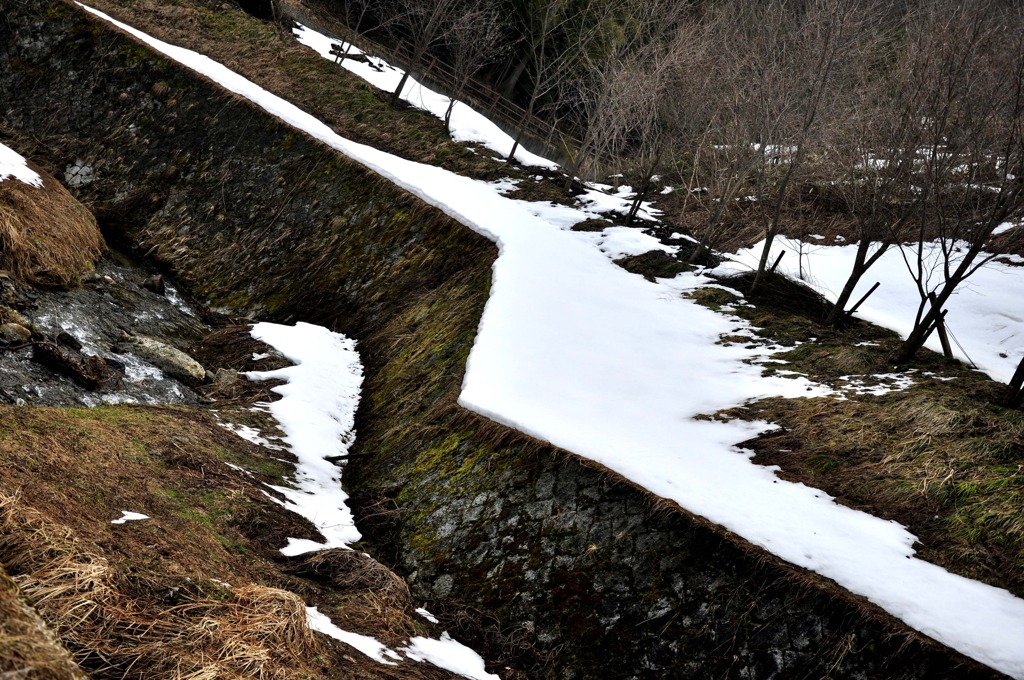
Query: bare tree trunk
861,264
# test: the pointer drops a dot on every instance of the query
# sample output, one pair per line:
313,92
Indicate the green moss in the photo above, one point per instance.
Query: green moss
57,11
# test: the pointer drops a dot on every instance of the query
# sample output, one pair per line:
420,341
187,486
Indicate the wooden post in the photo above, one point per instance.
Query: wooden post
1015,390
861,301
777,261
940,326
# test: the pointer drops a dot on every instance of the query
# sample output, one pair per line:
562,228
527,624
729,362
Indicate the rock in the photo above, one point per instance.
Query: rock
14,333
170,360
67,340
114,364
155,283
225,377
88,371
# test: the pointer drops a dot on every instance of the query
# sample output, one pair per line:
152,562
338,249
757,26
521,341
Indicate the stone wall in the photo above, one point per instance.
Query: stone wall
570,572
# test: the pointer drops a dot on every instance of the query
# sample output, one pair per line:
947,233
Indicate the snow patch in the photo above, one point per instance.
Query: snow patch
984,316
450,655
317,412
466,124
13,164
127,516
369,646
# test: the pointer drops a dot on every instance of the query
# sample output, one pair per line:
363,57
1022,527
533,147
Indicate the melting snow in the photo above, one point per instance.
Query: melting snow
466,124
369,646
129,517
450,655
984,320
600,362
317,412
13,164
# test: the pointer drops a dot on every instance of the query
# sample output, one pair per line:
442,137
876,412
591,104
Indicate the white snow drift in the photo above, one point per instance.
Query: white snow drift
317,412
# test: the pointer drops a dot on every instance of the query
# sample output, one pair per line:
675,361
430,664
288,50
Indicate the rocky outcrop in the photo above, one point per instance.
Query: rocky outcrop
584,575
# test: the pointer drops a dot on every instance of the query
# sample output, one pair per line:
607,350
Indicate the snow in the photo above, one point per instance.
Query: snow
616,242
250,434
466,124
427,615
578,352
984,318
601,198
445,652
450,655
879,384
369,646
127,516
1005,227
317,413
13,164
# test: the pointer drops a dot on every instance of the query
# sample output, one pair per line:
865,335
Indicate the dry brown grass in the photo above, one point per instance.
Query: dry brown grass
28,648
949,467
198,630
46,236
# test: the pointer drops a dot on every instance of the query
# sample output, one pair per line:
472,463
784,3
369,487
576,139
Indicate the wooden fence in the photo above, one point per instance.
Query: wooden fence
539,135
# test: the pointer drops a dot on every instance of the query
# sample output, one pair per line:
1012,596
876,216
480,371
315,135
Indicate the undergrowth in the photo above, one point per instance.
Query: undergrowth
941,456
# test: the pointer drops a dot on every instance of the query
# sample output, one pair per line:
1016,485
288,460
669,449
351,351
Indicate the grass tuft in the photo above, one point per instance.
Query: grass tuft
46,236
116,624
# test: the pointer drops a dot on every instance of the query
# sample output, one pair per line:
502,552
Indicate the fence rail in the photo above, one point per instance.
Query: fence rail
475,93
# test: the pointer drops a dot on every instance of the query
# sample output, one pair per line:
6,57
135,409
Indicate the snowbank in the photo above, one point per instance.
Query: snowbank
317,413
466,124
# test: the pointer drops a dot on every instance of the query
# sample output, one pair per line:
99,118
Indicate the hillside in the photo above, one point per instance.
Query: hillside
937,456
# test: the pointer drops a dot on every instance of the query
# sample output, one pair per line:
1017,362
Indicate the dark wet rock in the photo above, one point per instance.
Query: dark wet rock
114,364
65,339
91,372
76,364
156,284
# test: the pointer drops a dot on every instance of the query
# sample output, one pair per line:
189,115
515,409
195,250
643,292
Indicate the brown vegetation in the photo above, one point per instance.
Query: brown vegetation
197,591
46,236
939,457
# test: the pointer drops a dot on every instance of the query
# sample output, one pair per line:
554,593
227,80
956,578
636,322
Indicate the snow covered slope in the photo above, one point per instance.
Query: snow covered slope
574,350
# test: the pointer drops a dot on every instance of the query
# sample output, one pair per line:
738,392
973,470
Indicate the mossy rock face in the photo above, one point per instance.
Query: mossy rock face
582,576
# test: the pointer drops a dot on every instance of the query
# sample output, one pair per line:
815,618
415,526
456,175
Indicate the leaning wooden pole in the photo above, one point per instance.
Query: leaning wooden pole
1015,390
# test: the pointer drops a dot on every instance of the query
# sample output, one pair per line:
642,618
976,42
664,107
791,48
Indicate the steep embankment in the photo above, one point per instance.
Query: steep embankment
584,576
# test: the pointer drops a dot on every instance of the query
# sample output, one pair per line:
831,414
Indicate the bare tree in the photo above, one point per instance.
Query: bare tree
973,167
872,150
473,40
622,75
421,24
354,13
799,54
557,35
